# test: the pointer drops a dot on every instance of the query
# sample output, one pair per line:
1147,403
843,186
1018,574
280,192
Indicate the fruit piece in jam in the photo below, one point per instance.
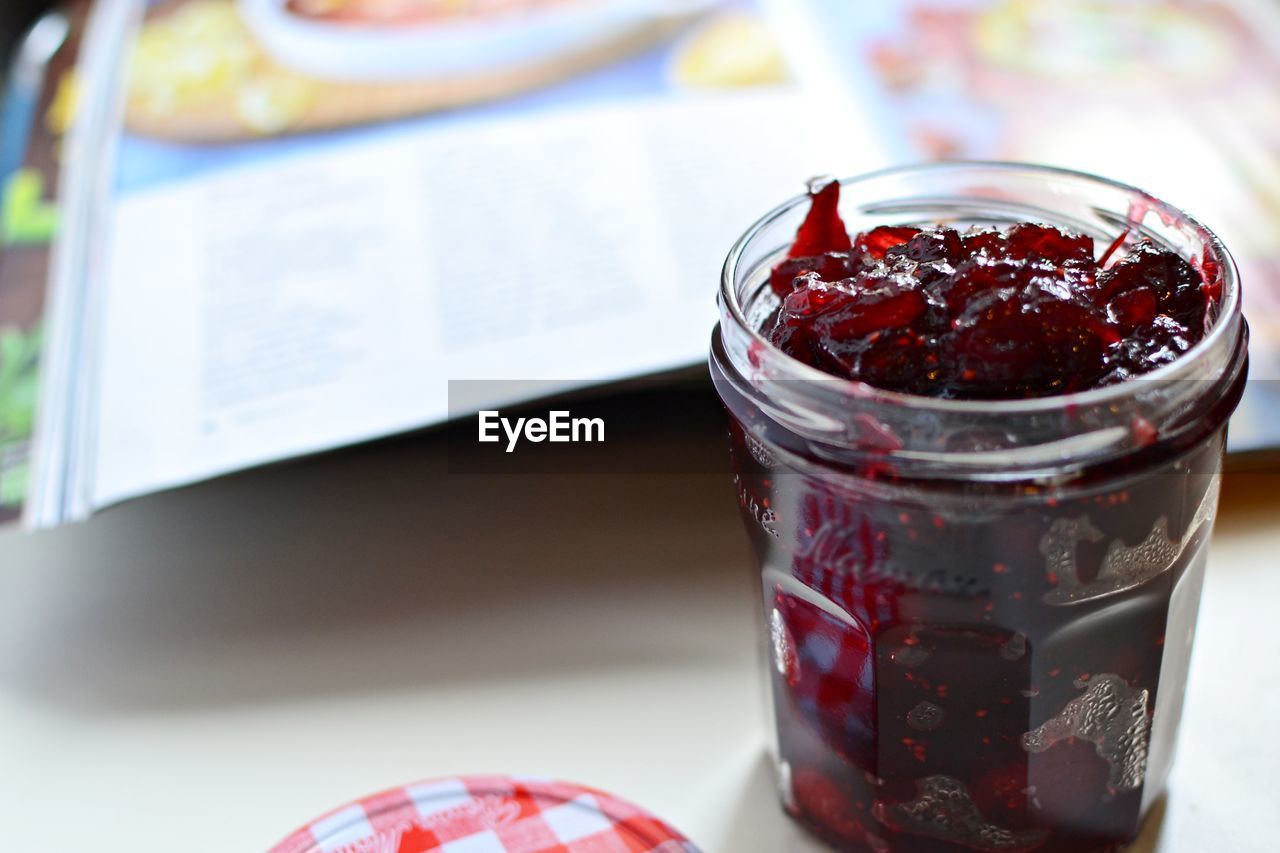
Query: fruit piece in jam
1020,312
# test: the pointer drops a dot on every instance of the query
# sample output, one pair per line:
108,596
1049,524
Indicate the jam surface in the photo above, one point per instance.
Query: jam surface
1025,311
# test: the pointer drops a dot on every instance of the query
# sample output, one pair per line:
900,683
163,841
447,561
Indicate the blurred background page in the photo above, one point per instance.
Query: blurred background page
37,98
1178,97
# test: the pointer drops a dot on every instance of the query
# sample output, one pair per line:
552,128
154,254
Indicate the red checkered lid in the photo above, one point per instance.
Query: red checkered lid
487,814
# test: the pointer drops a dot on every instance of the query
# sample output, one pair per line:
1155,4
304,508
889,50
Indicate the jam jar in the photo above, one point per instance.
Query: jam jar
977,615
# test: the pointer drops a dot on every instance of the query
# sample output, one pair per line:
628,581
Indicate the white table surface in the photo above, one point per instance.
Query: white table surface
207,670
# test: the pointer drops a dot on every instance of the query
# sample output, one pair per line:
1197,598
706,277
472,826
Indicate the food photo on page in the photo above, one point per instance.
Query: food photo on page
665,426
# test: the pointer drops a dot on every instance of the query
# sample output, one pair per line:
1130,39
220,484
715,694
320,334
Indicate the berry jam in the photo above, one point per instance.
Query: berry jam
976,664
982,314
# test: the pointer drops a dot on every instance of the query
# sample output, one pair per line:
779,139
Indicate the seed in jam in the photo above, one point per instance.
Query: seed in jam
1020,312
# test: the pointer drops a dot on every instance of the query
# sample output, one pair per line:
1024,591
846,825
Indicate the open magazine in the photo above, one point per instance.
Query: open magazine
283,226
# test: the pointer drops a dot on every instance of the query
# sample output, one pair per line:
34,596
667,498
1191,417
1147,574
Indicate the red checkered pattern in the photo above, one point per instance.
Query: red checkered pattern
490,814
829,676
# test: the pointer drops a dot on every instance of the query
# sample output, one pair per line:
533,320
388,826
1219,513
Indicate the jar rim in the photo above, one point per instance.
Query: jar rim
1222,326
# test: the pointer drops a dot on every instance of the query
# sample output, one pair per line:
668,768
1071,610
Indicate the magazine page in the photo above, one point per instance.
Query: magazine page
37,106
1180,98
315,224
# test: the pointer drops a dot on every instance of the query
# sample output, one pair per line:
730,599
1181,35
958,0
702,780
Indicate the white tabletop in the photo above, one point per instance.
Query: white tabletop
207,670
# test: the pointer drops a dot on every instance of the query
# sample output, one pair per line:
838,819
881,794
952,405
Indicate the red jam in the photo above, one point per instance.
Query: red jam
1024,311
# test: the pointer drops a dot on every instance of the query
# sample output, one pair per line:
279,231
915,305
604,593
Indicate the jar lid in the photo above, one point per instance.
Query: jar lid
487,814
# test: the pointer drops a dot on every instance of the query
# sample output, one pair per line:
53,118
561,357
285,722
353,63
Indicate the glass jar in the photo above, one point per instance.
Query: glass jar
977,615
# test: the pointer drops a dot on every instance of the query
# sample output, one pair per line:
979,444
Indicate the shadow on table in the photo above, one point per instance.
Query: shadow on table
759,823
1152,828
372,569
1250,499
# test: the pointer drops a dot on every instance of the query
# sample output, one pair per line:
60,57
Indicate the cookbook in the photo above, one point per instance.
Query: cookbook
290,226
